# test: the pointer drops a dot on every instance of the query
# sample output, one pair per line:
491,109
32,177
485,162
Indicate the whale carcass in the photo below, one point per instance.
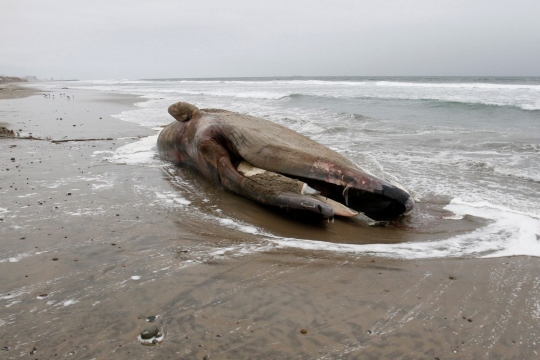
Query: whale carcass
276,166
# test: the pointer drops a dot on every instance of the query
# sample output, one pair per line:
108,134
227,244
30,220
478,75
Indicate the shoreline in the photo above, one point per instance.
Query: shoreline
121,257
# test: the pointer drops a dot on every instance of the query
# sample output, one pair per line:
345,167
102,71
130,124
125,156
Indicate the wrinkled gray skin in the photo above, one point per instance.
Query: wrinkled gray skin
214,141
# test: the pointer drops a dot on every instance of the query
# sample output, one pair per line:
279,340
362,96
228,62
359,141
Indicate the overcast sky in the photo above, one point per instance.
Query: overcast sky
219,38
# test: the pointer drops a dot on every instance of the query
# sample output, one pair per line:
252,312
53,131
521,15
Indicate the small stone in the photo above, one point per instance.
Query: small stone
117,215
69,194
5,348
113,244
151,318
206,357
218,335
154,341
55,259
369,332
149,332
452,277
200,345
12,159
469,319
303,331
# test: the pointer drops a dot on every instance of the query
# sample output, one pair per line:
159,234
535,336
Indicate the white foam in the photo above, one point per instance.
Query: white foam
457,85
509,233
142,152
13,303
454,217
136,277
16,258
15,293
27,195
99,152
171,198
230,223
70,302
107,185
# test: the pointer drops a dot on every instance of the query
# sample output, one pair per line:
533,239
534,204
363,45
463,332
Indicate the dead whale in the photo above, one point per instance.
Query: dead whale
276,166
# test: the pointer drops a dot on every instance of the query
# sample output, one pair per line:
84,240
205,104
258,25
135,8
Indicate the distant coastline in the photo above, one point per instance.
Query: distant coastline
10,89
11,79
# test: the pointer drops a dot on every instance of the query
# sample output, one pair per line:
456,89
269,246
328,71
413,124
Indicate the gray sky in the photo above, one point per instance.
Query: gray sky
219,38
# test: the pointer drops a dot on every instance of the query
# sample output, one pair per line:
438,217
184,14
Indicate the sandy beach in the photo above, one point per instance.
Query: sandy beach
87,255
15,91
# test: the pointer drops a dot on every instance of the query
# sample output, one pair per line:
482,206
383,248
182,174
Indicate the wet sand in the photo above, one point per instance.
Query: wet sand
87,254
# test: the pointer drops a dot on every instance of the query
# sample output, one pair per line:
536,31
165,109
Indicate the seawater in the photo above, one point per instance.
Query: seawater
469,145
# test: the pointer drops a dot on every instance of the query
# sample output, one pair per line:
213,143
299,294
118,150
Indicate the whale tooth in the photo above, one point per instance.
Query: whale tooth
346,194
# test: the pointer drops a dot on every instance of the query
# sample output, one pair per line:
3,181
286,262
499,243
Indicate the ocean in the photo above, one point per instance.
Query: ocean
466,147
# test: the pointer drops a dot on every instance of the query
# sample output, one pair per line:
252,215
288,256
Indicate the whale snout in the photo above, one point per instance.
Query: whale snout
402,201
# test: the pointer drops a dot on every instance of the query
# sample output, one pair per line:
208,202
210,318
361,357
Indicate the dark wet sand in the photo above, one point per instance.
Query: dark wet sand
101,222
